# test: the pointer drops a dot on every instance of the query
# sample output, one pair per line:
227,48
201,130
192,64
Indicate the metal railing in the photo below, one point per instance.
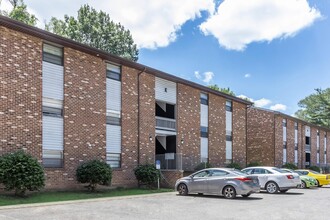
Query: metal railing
170,161
307,147
165,123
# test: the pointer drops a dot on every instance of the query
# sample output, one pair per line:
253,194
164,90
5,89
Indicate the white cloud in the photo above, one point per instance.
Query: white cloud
239,23
152,23
262,102
248,75
205,77
278,107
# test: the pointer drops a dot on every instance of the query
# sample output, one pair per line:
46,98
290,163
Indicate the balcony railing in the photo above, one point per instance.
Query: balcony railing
307,147
170,161
165,123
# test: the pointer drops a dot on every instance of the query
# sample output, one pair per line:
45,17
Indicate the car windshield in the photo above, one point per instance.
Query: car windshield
279,170
312,171
238,172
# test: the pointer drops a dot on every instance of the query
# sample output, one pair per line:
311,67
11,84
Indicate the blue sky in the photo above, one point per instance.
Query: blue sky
275,52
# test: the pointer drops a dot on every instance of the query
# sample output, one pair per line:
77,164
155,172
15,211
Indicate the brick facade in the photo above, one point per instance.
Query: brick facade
260,137
239,133
84,111
188,125
265,126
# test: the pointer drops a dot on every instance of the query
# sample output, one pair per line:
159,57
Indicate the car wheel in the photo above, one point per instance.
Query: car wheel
283,191
271,187
303,185
183,189
318,183
229,192
246,195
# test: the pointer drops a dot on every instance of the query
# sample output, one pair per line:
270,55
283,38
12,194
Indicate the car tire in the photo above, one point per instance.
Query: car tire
318,183
283,191
229,192
303,185
246,195
271,187
183,189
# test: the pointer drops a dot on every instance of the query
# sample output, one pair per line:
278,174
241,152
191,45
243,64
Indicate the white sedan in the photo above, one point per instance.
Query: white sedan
273,179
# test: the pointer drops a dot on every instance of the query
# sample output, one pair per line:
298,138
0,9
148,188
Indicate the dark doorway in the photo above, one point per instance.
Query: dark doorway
308,159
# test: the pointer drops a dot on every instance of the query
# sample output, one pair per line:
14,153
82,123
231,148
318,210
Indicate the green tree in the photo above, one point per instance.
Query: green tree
20,13
97,30
315,108
224,90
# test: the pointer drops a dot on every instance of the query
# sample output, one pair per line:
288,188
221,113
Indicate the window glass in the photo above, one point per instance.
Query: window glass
278,170
52,54
218,173
114,160
52,158
113,120
113,72
50,111
202,173
204,131
229,106
204,99
248,171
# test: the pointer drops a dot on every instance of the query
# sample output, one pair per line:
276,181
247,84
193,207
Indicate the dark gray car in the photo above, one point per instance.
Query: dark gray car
218,181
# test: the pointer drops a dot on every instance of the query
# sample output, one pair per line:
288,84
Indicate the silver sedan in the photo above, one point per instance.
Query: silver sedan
218,181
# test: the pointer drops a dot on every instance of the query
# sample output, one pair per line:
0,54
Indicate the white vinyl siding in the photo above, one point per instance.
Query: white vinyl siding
229,119
52,81
204,149
307,131
113,139
284,129
204,115
165,90
284,156
296,136
52,133
296,157
229,150
113,95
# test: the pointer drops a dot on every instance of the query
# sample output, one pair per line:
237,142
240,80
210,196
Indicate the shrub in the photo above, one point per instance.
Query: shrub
234,165
146,174
202,165
290,166
315,168
94,172
21,172
253,164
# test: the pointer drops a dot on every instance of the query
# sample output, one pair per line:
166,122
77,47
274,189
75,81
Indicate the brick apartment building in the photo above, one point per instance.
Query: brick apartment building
274,139
66,103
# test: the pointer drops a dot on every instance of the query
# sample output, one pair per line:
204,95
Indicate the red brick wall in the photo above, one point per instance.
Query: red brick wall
169,177
20,92
188,125
278,141
313,146
239,133
301,146
217,130
290,141
260,136
322,133
125,175
147,118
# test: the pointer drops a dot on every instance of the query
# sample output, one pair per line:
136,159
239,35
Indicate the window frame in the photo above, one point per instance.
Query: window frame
45,58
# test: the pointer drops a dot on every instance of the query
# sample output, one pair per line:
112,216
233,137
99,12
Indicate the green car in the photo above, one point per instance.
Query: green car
306,181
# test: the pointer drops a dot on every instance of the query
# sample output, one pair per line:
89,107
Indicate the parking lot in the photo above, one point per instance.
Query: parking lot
295,204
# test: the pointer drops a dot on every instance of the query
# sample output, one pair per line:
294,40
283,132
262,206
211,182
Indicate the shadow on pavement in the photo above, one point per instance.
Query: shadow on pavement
252,197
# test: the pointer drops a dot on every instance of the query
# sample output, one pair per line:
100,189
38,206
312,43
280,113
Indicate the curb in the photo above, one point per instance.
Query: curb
30,205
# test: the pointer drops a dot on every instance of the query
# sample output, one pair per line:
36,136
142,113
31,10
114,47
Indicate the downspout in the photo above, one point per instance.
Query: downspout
138,144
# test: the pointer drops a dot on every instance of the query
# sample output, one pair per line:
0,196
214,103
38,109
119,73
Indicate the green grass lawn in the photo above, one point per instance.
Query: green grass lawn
41,197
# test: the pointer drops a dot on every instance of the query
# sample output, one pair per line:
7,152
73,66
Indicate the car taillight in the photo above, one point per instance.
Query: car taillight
243,179
290,177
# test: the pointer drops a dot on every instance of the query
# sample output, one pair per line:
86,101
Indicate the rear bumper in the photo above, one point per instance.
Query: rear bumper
247,190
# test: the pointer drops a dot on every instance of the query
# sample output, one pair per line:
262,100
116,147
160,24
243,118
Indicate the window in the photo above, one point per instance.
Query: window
218,173
52,158
248,171
202,174
308,140
229,107
284,144
52,54
204,132
114,160
113,72
113,120
296,126
204,99
51,111
229,138
284,123
260,171
296,146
